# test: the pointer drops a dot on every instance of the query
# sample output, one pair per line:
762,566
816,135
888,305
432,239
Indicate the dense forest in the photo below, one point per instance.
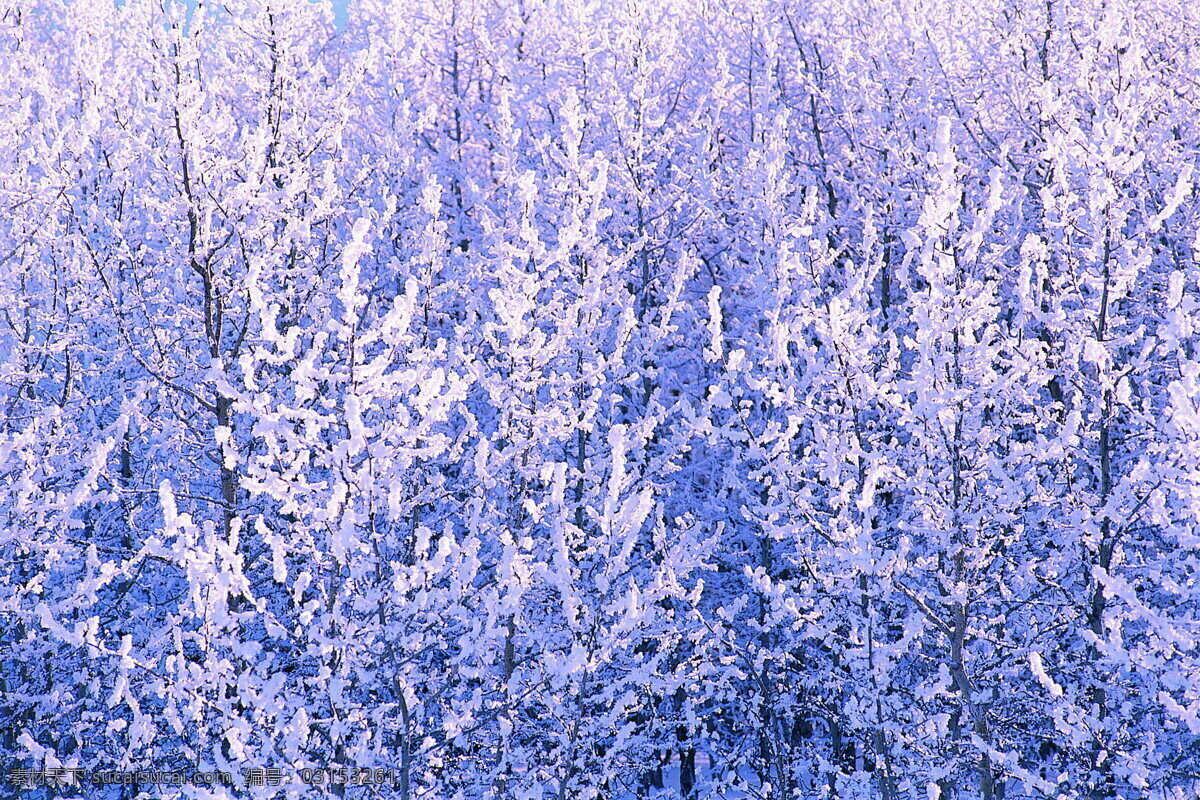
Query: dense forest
601,399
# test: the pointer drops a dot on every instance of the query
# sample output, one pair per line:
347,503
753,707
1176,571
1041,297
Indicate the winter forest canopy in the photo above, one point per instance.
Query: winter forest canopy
603,399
